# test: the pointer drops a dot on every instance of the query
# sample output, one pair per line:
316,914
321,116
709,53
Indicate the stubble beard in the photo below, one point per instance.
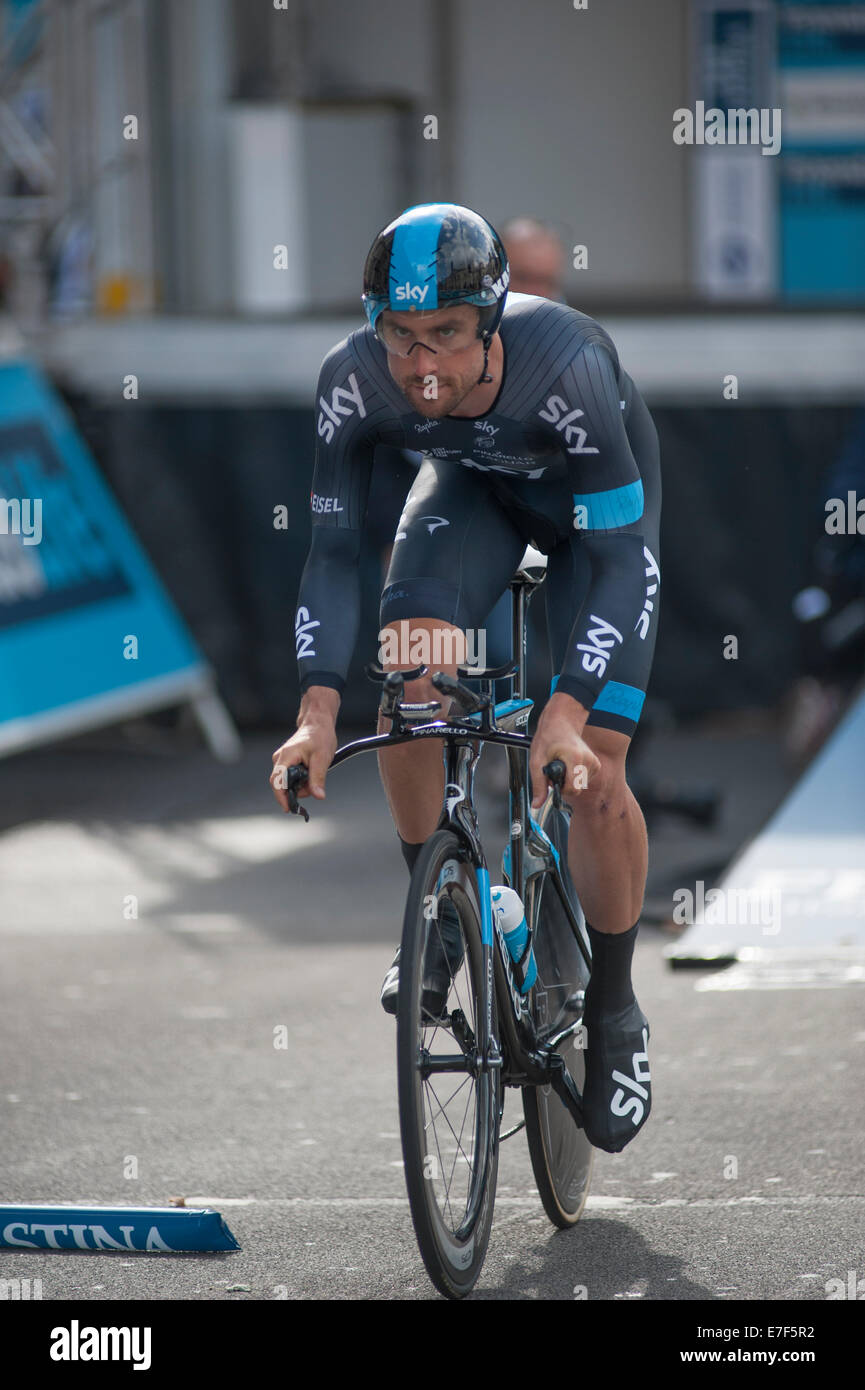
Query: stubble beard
434,408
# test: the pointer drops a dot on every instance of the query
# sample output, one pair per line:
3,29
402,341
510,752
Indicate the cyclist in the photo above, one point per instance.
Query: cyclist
532,434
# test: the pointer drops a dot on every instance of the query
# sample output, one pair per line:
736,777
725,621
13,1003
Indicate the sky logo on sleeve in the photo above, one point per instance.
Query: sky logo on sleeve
557,413
344,400
303,627
598,650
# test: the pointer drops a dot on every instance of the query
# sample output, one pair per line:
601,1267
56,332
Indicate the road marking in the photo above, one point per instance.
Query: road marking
599,1203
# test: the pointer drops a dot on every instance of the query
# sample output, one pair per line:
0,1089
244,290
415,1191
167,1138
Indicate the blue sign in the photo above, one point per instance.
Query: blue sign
821,73
113,1228
87,631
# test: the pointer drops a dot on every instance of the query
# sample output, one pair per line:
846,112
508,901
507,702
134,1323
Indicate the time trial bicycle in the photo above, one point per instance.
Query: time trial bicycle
459,1046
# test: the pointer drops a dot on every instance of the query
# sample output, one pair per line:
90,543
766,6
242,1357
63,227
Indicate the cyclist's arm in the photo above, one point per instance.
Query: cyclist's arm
608,507
328,606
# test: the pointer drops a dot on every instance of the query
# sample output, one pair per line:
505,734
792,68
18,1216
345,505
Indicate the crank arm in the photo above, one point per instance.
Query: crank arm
563,1084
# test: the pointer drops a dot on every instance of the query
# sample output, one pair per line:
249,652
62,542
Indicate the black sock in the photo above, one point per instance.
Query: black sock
609,989
409,852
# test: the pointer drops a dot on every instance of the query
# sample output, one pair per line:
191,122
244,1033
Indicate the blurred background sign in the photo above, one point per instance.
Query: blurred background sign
821,58
735,216
786,227
87,633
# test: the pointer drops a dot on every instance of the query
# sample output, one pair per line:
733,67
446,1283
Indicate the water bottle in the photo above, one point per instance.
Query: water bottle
509,913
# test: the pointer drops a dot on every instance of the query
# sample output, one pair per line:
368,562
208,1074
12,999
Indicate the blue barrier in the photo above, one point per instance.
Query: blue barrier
100,1229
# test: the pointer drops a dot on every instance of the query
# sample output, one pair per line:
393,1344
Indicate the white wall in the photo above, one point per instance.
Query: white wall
560,113
543,109
567,115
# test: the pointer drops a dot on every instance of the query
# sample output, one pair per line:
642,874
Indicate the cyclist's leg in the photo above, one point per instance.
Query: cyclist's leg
457,550
498,626
607,857
394,470
607,849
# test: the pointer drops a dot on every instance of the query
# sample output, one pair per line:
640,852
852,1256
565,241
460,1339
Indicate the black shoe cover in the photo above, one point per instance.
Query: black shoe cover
390,986
444,955
444,950
617,1096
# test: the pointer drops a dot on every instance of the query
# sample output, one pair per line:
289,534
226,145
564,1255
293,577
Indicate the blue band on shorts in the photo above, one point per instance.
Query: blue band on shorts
424,597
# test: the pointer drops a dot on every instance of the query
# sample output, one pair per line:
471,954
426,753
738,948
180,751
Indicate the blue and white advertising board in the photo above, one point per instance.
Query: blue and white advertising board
88,634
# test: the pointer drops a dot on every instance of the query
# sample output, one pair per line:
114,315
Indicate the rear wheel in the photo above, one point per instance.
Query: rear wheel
449,1116
560,1152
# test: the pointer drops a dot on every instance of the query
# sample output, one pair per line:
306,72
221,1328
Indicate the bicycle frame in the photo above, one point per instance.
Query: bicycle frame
529,853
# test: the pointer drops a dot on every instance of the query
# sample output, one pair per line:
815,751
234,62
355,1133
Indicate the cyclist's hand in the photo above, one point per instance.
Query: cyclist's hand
557,737
314,745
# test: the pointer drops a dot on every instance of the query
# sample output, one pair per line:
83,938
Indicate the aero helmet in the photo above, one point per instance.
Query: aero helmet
433,255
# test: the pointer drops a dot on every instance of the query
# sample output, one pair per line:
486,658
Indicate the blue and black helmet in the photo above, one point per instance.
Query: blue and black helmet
433,255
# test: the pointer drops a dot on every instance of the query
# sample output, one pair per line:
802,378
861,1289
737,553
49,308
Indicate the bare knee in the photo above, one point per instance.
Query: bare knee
605,795
429,642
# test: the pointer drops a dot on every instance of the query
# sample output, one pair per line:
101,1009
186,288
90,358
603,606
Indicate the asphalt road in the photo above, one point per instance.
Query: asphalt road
150,1037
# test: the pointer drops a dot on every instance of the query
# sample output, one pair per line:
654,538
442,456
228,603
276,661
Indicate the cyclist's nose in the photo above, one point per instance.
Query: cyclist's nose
423,358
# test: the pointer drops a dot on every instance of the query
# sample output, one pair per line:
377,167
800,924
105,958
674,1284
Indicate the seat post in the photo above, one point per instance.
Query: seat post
518,634
530,573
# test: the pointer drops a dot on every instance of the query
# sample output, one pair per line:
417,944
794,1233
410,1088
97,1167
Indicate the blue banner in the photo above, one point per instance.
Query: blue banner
87,631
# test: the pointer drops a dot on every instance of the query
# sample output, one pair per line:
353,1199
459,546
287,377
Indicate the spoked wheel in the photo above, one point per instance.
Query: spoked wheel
449,1107
560,1152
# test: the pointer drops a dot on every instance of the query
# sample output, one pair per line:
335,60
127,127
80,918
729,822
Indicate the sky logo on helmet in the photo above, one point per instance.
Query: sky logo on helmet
411,292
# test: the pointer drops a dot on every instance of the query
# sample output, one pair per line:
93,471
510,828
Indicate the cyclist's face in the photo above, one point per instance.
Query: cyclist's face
445,355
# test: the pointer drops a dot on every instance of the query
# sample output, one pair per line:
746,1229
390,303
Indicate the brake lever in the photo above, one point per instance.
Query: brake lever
295,776
391,693
555,771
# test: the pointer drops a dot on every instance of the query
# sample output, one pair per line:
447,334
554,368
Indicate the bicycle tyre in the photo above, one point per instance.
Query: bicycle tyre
560,1152
453,1256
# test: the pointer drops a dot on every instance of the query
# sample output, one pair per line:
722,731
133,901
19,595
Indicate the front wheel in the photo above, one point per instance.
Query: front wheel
449,1106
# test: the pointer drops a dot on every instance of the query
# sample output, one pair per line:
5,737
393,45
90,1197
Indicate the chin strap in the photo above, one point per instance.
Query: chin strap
485,376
